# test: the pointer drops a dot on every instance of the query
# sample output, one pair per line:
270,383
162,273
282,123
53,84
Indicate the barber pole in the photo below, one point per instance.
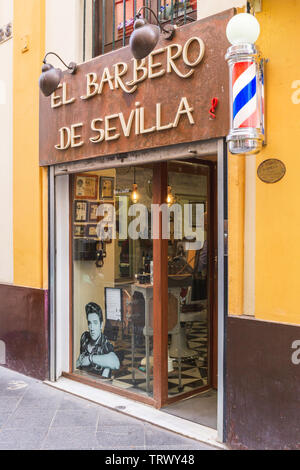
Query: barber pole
246,94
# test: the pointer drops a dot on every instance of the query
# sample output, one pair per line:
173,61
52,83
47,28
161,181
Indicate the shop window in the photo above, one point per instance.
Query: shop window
188,274
112,278
114,232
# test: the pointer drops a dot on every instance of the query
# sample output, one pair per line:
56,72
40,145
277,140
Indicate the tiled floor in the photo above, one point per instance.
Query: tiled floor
194,371
36,416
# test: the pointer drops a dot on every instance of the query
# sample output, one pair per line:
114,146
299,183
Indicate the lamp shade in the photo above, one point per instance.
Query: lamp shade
242,28
49,79
144,38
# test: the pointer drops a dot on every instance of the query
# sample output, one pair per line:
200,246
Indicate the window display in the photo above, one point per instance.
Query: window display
113,317
108,267
188,280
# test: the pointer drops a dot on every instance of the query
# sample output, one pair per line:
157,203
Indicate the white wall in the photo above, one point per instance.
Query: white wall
64,30
6,148
62,273
211,7
6,11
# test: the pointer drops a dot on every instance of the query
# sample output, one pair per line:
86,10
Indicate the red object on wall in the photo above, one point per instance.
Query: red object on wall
214,104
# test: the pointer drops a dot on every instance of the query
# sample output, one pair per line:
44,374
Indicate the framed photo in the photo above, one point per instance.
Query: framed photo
93,206
80,211
113,303
91,231
107,186
79,230
86,186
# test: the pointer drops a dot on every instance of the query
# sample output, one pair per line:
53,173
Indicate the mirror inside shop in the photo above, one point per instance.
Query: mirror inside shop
113,226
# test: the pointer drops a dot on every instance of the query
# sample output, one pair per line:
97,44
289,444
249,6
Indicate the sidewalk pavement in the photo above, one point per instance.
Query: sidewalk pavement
36,416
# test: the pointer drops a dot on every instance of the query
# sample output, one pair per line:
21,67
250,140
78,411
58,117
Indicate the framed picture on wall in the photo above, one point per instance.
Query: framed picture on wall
93,206
107,186
80,211
86,186
91,231
79,230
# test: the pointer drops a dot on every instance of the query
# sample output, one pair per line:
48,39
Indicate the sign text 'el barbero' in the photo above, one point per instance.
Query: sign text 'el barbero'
117,104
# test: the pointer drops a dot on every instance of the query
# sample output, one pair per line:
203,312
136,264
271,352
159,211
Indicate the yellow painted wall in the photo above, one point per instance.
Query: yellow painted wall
277,253
236,207
29,181
277,205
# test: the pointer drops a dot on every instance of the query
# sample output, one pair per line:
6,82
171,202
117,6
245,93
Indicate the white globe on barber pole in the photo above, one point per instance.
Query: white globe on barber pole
246,85
243,28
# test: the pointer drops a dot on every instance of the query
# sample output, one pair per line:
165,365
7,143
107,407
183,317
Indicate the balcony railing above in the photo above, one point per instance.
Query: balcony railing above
113,19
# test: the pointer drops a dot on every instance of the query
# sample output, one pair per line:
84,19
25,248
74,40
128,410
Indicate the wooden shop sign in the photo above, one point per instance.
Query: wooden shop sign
116,104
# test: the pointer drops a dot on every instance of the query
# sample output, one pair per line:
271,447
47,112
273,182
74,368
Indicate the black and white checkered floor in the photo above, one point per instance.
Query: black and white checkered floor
194,371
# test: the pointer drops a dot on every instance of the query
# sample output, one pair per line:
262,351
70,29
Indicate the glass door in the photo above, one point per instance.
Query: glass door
189,273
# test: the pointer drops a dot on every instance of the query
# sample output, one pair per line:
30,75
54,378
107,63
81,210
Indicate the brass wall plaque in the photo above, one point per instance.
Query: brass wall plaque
271,170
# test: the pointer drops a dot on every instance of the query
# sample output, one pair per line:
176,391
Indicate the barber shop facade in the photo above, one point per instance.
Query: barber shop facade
165,212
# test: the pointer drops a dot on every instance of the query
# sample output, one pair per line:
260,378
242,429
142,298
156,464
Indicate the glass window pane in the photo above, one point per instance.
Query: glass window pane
112,282
189,317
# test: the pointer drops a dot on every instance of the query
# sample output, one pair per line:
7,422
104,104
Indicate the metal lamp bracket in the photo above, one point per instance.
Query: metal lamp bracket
255,5
72,67
168,30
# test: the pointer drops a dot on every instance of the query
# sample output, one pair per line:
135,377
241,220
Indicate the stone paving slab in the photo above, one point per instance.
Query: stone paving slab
36,416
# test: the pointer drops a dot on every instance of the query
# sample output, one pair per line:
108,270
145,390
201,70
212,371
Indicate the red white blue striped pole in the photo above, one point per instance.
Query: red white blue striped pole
246,93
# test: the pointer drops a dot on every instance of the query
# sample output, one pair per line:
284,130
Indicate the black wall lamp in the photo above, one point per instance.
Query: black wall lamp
145,36
51,77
